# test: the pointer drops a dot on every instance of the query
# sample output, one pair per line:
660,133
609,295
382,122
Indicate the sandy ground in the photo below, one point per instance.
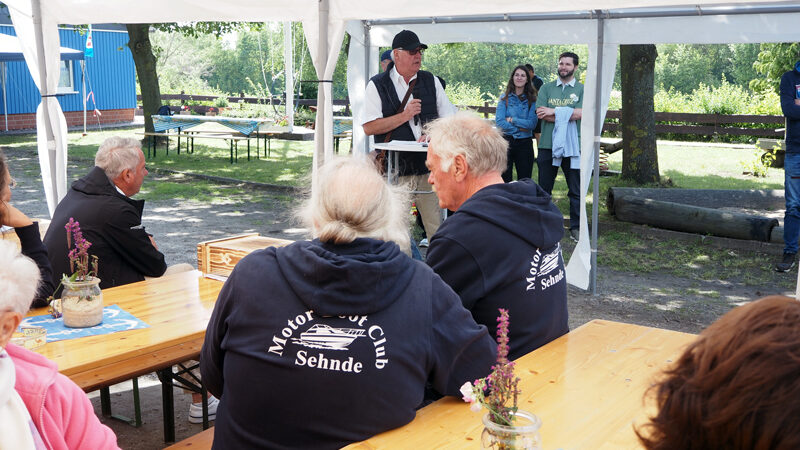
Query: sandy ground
179,225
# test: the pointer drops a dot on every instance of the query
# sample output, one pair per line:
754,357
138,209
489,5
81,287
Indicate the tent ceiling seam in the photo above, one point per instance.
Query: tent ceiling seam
637,13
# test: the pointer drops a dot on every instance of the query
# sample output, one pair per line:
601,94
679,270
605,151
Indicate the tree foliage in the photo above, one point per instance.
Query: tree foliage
773,61
683,67
488,65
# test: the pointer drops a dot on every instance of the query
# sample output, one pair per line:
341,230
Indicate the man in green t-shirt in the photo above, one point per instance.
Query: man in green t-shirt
565,91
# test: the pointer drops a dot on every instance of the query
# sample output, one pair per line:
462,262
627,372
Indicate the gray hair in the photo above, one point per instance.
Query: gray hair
19,279
482,145
117,154
353,200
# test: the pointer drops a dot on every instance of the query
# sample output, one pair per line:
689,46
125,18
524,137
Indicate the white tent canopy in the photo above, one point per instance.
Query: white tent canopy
600,24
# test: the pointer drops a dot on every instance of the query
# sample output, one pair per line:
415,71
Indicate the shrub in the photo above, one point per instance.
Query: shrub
725,99
463,94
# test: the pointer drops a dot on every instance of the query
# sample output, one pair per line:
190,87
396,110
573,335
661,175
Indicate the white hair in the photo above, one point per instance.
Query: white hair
353,200
117,154
482,145
19,279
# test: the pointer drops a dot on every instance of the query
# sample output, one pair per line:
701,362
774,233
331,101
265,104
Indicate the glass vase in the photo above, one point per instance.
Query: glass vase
82,303
524,434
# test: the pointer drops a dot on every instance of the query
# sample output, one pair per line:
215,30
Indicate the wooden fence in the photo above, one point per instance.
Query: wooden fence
183,98
691,123
675,123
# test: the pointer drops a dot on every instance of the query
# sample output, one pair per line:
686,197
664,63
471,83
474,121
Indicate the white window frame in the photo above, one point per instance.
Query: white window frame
69,88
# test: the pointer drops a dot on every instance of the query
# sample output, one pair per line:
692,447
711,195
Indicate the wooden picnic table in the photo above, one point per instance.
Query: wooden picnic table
587,387
177,309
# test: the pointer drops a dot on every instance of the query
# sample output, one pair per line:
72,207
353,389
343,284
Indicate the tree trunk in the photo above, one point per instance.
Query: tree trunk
142,50
639,154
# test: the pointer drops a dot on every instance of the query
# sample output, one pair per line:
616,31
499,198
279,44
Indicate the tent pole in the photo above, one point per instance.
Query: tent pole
5,104
320,130
598,131
46,98
367,56
288,67
83,89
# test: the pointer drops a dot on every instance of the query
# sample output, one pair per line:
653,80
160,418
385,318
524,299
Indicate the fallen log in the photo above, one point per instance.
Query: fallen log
692,219
707,198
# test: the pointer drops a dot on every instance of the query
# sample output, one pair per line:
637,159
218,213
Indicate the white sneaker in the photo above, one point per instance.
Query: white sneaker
423,243
196,410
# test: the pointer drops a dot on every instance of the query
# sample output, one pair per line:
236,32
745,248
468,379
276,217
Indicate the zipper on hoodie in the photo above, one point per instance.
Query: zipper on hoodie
40,425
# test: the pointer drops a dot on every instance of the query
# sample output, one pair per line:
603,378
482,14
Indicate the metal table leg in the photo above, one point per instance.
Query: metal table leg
168,408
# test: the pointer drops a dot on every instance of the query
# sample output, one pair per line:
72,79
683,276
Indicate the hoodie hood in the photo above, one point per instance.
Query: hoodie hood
527,211
359,278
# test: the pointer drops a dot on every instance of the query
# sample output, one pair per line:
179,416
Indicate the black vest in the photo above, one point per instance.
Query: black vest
425,90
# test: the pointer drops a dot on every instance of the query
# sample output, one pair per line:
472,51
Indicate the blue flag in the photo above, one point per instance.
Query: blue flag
89,51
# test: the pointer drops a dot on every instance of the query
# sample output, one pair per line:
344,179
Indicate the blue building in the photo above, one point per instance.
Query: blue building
109,78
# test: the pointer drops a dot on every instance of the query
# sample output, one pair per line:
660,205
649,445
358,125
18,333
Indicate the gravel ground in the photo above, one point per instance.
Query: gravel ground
653,299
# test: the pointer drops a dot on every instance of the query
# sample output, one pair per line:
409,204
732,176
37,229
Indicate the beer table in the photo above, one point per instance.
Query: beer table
177,309
587,387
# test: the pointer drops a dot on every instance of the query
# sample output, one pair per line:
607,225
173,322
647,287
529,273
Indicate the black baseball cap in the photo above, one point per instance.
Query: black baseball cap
407,40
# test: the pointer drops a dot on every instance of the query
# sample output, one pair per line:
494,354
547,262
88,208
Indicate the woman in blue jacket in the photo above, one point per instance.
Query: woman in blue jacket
516,117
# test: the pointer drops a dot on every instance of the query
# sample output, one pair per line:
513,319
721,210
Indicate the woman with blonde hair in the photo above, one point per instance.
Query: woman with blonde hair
330,341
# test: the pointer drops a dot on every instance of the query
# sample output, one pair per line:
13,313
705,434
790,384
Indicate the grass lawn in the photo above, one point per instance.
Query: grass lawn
289,162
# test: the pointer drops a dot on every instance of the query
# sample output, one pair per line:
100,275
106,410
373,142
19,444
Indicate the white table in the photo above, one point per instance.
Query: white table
394,148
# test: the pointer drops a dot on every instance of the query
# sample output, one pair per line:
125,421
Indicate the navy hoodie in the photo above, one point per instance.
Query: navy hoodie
501,249
316,346
790,90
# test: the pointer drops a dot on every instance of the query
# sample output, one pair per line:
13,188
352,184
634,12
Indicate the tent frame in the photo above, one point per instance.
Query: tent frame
600,16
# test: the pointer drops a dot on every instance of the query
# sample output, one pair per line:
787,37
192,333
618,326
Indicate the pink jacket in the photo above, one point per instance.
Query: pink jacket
60,409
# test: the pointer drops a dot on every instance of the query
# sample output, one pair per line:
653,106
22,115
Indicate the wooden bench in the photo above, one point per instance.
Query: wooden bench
151,143
204,439
344,135
230,137
192,135
300,134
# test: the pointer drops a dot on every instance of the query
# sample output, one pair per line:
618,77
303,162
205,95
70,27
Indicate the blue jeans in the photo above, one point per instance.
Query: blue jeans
547,179
791,221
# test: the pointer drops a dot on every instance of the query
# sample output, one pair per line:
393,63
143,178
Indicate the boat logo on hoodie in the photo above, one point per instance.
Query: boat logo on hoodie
541,268
307,332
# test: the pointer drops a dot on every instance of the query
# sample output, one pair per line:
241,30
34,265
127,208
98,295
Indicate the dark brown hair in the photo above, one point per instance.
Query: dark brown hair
736,387
528,91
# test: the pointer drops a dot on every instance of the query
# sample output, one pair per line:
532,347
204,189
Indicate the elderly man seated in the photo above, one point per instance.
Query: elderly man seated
109,218
112,221
501,248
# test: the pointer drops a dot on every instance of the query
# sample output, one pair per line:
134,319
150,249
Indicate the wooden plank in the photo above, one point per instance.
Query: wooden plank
176,308
220,256
202,440
702,130
705,118
587,387
120,371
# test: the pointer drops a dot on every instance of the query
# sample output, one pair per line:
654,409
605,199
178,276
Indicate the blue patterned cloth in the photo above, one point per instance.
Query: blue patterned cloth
244,126
114,319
